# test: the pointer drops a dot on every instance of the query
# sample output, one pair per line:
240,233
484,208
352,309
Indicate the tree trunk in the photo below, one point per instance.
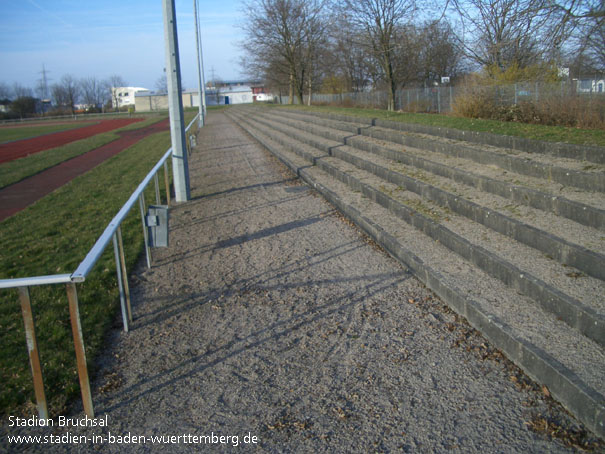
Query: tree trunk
310,88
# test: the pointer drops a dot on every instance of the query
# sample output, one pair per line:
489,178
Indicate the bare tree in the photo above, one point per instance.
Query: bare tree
348,58
282,37
588,34
5,91
439,54
578,9
161,84
112,83
92,91
380,20
502,33
66,92
19,91
24,106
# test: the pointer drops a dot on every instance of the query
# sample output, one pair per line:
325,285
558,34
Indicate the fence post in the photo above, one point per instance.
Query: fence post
439,99
124,273
116,253
147,252
76,328
167,182
451,100
32,348
158,200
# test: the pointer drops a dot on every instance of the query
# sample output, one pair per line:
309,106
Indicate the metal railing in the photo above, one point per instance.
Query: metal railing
75,117
112,233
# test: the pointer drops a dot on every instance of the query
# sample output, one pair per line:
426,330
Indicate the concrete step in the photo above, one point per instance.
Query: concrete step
579,304
546,194
566,171
546,235
589,153
570,364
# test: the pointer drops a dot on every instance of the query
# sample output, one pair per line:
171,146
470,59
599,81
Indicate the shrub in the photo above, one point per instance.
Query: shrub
571,110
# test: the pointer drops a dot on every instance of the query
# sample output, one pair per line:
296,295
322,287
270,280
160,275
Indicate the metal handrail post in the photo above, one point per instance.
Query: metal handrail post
76,328
32,348
167,182
147,251
124,273
158,200
120,282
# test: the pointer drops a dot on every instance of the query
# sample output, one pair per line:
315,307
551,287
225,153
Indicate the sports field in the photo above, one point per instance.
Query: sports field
18,131
44,141
20,195
52,236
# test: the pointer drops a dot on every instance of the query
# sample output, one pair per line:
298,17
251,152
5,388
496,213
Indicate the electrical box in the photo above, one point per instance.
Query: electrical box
157,225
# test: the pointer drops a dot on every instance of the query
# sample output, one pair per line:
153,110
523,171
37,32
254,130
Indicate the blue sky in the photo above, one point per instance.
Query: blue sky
104,37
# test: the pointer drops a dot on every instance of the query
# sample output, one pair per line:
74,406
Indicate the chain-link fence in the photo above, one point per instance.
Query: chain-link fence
442,99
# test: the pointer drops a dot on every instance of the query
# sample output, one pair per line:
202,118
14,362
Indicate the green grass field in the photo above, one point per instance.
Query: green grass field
15,171
530,131
9,134
52,237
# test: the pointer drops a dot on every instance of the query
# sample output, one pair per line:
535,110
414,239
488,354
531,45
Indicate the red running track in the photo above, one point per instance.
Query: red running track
21,148
18,196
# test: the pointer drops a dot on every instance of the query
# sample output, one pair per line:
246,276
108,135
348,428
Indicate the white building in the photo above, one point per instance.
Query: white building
238,94
591,85
124,96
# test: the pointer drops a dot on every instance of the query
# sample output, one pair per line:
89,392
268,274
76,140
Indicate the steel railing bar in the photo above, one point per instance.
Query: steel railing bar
167,182
35,280
124,273
116,253
156,182
97,250
145,235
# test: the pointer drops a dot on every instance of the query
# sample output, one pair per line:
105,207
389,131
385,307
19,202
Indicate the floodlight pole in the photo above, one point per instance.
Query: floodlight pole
201,91
180,166
203,77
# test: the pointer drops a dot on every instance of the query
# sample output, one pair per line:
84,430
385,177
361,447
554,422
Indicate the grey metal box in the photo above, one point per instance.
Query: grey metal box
157,225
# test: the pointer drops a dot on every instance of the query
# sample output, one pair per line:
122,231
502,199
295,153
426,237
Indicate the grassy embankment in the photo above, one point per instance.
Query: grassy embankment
52,237
15,171
530,131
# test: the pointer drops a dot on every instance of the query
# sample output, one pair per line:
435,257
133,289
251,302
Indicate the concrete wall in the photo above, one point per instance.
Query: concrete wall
147,103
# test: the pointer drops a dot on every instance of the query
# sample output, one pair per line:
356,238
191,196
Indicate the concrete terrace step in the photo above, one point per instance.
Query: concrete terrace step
570,364
530,190
583,310
563,250
589,153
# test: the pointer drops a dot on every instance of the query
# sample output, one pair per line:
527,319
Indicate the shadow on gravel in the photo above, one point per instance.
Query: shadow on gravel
197,364
188,224
246,285
243,188
266,232
242,238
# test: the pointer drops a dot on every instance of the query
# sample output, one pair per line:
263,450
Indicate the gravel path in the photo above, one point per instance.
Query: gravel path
271,315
